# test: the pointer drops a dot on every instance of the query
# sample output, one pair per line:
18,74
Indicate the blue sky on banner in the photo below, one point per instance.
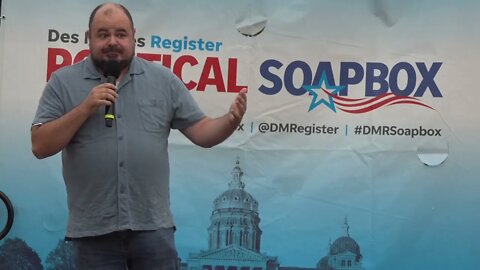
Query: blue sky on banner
305,184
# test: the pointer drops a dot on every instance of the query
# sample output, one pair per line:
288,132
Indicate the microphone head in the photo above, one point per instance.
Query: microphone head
112,68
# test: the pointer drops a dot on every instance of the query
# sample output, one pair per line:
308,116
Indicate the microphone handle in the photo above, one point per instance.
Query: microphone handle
110,110
109,115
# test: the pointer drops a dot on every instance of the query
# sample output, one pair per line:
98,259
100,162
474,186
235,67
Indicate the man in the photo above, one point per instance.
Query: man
117,178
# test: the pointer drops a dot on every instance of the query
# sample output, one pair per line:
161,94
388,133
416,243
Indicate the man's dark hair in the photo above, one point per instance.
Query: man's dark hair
94,12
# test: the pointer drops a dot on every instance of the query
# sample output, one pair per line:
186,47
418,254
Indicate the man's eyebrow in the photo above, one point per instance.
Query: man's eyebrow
107,30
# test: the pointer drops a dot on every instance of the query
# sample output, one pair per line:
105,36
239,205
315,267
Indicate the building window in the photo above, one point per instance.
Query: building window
343,262
349,263
245,268
207,267
219,267
232,268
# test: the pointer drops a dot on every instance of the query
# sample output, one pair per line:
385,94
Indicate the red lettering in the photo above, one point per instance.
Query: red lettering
150,56
167,61
81,55
53,54
232,77
211,74
211,64
178,66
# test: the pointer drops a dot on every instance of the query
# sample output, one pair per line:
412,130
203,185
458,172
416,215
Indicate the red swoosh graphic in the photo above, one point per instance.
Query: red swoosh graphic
364,105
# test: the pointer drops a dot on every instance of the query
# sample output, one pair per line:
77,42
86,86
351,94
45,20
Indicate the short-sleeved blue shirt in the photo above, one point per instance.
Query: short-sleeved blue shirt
118,178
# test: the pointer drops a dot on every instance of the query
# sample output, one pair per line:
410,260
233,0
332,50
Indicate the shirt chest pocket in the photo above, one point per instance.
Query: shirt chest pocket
154,115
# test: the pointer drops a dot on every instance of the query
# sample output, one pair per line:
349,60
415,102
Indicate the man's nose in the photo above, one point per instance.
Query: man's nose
112,40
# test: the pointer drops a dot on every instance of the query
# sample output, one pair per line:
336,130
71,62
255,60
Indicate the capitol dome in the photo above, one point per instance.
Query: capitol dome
344,253
345,244
236,196
235,220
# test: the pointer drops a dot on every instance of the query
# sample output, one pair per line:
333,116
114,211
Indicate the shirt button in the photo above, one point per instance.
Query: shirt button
119,116
120,164
120,138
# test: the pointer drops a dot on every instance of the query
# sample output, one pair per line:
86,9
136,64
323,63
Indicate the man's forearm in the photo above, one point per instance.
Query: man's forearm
210,132
50,138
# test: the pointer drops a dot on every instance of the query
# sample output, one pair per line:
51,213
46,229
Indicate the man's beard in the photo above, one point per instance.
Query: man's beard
101,63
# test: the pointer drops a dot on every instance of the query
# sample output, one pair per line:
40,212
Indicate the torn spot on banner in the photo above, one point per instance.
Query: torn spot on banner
433,153
251,27
389,11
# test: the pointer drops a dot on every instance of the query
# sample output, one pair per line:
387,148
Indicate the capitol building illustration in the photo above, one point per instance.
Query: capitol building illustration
344,254
234,237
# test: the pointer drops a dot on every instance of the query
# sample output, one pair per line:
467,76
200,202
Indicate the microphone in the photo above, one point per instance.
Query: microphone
111,72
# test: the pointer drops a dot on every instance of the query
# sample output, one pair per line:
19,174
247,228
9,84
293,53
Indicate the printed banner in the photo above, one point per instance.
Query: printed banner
358,149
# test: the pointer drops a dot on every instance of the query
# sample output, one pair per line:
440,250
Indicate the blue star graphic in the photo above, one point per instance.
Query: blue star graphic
323,84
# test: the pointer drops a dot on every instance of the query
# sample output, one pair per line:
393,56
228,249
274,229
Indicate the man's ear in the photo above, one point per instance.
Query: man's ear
87,34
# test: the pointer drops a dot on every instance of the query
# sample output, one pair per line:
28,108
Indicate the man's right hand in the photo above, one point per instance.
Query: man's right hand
101,95
50,138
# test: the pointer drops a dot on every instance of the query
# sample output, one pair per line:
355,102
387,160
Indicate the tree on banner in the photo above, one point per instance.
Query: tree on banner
16,254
